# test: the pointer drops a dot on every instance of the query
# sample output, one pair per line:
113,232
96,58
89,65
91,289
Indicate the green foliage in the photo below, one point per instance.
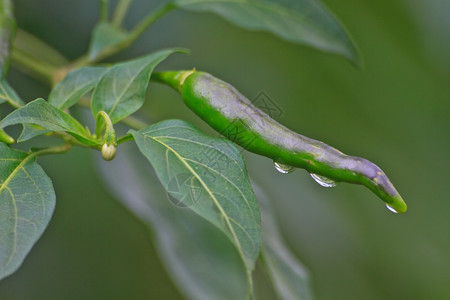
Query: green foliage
39,112
30,131
304,22
77,83
121,90
290,278
27,201
192,249
7,94
105,35
209,177
211,212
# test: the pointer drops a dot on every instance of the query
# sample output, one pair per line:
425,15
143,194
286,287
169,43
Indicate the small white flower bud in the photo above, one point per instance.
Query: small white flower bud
108,151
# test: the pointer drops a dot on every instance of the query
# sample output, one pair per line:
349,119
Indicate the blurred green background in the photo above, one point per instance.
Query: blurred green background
395,112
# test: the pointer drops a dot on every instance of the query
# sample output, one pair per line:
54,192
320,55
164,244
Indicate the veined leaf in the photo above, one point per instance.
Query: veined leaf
300,21
290,278
39,112
27,201
121,90
207,175
77,83
202,261
105,35
30,131
7,94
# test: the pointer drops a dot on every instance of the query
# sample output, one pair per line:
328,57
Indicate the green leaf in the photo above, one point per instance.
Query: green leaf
7,94
306,22
289,276
27,201
207,175
30,131
201,260
121,90
105,35
77,83
39,112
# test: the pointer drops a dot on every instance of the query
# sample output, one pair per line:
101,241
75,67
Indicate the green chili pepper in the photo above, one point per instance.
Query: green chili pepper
230,113
7,31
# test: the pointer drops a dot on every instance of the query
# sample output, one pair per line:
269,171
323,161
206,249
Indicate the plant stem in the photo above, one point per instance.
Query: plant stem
33,67
104,10
38,49
120,12
52,150
134,123
38,58
67,138
149,20
51,74
132,36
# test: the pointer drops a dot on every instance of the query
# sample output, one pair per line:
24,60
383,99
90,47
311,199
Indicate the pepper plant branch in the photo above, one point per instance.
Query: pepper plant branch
38,49
37,58
149,20
128,41
52,150
104,10
71,140
35,68
120,12
51,74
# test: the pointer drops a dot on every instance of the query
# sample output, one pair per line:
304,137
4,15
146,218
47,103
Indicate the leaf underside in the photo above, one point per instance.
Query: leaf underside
7,94
306,22
288,275
105,35
208,176
202,261
77,83
39,112
27,202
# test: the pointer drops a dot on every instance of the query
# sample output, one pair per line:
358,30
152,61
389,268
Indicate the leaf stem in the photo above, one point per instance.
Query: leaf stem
125,138
120,12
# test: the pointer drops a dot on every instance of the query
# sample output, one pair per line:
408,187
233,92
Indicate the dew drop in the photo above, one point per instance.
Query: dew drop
391,209
282,168
323,181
